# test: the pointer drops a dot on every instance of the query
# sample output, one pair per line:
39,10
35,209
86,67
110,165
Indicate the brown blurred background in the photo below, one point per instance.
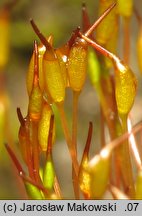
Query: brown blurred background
58,17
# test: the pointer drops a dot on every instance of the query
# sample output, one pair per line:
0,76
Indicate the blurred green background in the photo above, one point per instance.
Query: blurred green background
59,17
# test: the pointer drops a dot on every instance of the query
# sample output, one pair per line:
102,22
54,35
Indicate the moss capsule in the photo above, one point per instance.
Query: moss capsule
35,103
48,174
44,125
125,90
85,178
36,97
33,192
99,170
30,74
77,65
54,82
23,143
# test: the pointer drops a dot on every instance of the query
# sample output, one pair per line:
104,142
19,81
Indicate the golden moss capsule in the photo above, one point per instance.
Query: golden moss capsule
139,186
125,88
77,65
4,37
44,125
48,174
125,8
33,192
35,103
106,28
36,97
84,178
139,49
99,170
54,82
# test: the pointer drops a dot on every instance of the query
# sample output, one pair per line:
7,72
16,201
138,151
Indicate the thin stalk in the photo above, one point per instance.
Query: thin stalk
133,145
57,188
49,153
126,165
71,148
39,186
106,111
35,151
115,143
29,158
75,184
75,117
103,142
14,159
74,138
116,193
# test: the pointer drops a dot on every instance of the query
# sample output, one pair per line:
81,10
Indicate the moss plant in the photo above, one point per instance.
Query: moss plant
51,72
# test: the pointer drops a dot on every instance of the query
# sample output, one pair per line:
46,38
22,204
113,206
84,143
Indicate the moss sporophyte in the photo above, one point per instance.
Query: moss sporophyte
54,70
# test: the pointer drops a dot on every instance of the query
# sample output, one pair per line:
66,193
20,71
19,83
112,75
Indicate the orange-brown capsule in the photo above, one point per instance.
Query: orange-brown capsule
4,37
106,28
77,65
36,97
30,73
23,143
44,125
22,135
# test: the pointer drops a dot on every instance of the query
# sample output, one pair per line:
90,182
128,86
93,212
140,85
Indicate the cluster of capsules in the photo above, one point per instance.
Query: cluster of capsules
50,72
